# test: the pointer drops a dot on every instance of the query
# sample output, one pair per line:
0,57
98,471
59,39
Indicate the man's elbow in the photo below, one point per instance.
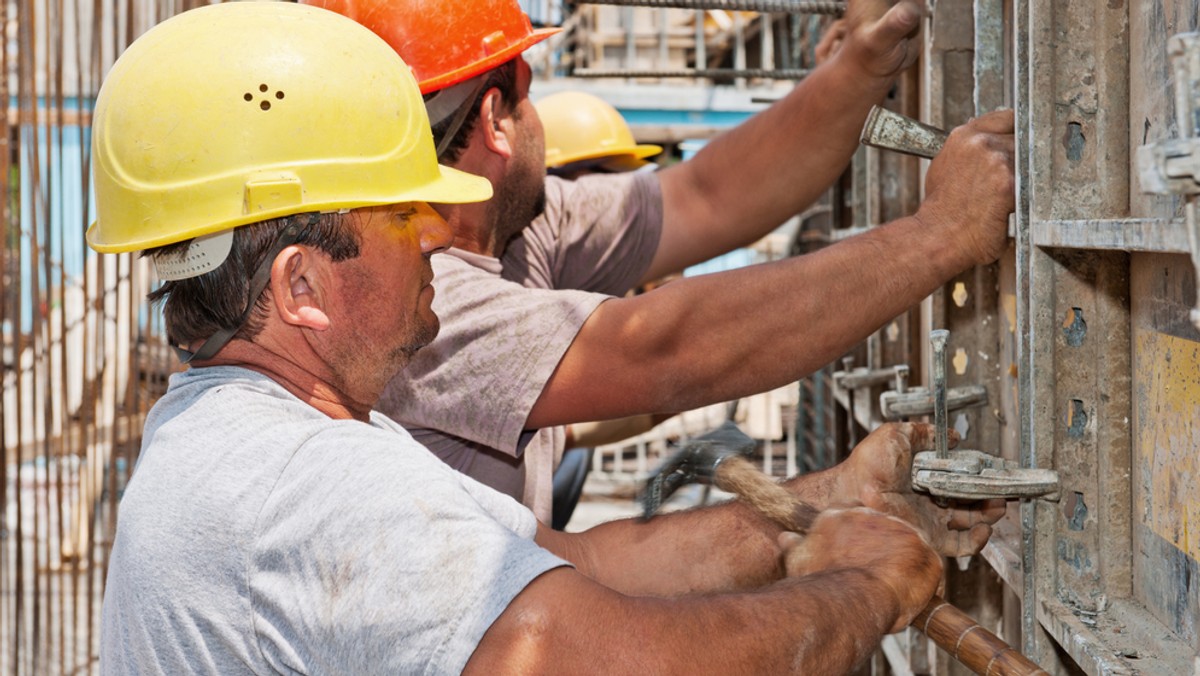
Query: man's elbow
520,641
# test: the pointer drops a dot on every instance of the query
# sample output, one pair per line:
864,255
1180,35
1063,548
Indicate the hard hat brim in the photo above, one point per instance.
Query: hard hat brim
492,61
452,186
638,152
623,163
455,187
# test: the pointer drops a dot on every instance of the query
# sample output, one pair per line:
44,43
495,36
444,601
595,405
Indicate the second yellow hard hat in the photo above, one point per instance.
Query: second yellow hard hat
581,126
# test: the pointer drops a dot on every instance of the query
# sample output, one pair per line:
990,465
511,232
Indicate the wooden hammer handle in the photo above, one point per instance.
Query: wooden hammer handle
950,628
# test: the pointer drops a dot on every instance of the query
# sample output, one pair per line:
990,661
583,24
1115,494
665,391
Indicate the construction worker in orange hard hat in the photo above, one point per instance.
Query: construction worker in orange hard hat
537,331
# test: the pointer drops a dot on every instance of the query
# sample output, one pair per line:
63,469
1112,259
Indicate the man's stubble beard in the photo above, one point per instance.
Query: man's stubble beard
520,196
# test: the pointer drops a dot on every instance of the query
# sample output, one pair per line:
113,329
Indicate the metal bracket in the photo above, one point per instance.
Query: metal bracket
857,378
1173,166
975,475
918,401
969,474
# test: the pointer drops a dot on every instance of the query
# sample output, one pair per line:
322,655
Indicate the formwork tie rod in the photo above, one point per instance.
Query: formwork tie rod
803,7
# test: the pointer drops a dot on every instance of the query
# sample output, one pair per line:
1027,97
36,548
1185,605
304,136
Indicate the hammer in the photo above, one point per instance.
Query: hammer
893,131
719,458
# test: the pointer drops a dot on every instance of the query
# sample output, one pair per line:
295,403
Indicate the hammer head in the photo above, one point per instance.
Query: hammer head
695,462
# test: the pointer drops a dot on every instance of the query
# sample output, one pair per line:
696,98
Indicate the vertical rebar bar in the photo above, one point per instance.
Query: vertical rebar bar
937,339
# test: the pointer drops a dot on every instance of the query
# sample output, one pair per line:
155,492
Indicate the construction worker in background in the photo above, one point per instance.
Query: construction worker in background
274,162
536,333
586,135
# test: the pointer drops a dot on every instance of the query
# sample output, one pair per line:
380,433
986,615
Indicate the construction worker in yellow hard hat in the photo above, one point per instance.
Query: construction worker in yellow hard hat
538,322
585,134
274,161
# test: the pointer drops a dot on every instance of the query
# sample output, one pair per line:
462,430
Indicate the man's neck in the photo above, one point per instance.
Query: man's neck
314,386
472,231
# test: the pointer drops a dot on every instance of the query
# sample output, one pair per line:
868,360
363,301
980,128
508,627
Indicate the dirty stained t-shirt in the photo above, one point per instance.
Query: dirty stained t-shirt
507,322
258,535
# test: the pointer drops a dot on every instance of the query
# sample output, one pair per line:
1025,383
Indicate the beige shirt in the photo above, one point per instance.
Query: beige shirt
507,322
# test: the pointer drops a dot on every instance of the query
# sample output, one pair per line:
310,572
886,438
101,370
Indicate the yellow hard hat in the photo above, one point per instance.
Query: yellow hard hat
241,112
581,127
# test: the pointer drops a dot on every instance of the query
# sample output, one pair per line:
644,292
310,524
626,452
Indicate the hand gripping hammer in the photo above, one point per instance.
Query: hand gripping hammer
719,458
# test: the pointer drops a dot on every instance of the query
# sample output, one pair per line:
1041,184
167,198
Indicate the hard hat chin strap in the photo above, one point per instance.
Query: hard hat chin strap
457,100
292,232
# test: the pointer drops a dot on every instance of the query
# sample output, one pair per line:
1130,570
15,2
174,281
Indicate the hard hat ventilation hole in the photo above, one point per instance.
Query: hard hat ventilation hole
264,104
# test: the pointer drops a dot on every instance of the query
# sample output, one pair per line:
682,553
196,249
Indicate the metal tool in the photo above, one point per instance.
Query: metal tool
893,131
951,629
969,474
695,462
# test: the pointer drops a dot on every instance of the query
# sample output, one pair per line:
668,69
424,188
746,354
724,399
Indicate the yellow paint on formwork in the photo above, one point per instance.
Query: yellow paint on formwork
1009,301
1168,436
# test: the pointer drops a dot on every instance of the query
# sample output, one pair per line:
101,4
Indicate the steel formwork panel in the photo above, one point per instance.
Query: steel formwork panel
1096,589
1080,334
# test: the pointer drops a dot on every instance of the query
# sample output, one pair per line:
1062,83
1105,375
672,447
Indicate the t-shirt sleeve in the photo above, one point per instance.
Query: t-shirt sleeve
597,233
498,344
402,563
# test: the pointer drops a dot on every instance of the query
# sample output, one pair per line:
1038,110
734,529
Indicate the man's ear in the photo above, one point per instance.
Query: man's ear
297,278
496,124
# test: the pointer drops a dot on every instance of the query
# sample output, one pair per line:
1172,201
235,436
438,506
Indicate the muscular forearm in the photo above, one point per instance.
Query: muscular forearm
718,337
562,623
611,431
746,182
719,548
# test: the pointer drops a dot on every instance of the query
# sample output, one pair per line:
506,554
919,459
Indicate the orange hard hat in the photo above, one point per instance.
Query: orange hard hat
445,41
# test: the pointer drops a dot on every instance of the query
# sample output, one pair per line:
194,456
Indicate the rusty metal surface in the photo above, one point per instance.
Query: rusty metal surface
1113,234
1166,423
1165,358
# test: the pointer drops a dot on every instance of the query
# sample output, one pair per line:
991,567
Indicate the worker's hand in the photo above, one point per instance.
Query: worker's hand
831,41
878,38
884,547
879,474
970,187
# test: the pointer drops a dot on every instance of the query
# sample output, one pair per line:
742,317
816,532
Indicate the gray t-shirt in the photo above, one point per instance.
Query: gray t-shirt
260,536
507,322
